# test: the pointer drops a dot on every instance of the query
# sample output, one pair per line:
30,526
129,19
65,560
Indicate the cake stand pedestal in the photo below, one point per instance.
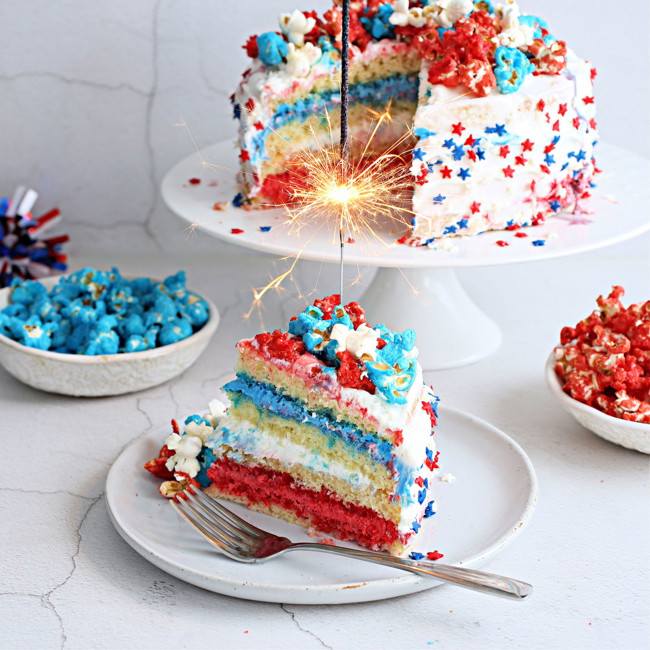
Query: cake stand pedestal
417,288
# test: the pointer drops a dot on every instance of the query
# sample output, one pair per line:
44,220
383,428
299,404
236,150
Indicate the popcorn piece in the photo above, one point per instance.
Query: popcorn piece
300,60
295,26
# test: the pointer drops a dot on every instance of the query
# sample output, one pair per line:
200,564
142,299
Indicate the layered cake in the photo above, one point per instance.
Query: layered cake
330,426
493,114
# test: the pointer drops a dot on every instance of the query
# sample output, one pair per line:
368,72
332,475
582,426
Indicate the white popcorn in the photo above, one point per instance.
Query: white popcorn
295,26
362,341
201,431
403,16
217,411
301,59
187,448
513,34
447,12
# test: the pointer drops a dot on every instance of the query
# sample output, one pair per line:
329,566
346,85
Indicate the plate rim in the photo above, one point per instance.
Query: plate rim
399,585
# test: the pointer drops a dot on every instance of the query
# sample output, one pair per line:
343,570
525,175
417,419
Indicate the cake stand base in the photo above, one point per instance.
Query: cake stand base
451,329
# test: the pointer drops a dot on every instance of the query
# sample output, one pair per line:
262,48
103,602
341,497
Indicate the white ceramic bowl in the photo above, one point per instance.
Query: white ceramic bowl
633,435
101,375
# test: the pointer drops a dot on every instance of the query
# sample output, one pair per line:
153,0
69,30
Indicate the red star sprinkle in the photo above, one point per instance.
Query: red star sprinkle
259,126
244,155
588,100
556,126
538,218
576,122
475,207
520,160
549,147
434,555
541,105
457,128
545,169
236,231
250,105
508,171
471,154
592,123
419,481
521,234
445,171
562,110
502,243
527,145
470,141
593,73
504,151
194,181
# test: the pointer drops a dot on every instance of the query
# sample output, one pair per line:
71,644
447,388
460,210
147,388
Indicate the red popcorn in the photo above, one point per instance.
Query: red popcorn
157,465
548,59
251,47
604,360
351,374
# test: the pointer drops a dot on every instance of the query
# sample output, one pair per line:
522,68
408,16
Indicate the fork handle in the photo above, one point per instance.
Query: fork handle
489,583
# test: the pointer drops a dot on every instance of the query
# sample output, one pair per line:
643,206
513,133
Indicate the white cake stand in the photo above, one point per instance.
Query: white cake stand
417,287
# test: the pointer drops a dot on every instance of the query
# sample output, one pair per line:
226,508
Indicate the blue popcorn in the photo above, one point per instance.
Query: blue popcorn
379,25
135,343
175,330
36,334
271,48
197,311
512,68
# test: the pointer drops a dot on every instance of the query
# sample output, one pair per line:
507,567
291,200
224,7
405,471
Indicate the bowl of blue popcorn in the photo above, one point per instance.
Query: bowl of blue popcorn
95,333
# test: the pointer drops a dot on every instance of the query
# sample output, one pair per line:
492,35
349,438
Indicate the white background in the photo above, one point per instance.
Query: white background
90,93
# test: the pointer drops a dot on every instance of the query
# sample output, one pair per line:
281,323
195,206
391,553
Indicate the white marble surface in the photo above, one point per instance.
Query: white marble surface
91,93
67,580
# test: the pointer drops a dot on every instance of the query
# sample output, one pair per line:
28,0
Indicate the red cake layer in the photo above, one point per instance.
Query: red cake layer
321,509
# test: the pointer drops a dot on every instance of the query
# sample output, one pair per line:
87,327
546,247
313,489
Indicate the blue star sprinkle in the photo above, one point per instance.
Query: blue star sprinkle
499,129
463,223
549,159
418,154
459,152
464,173
448,144
449,230
416,556
554,205
539,242
439,199
265,228
481,154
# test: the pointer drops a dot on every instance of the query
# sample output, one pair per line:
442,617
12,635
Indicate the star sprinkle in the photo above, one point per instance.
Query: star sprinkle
527,145
508,171
445,171
459,128
464,173
418,154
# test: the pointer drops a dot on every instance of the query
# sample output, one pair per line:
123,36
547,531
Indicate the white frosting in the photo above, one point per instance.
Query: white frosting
501,198
301,59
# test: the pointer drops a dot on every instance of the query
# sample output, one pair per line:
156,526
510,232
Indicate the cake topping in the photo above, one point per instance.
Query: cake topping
472,44
364,357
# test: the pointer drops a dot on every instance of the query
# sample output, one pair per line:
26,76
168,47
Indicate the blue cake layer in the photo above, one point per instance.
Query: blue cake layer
266,397
375,93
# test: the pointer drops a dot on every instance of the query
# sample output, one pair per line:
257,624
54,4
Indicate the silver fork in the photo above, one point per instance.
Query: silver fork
244,542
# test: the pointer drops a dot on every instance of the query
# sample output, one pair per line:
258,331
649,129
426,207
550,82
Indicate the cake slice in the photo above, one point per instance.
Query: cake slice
330,427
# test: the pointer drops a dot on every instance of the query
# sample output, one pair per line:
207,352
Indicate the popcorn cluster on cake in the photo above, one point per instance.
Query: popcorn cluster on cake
500,114
330,426
604,361
100,312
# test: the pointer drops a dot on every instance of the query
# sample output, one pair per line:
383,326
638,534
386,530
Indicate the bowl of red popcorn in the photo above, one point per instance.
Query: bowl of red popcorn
600,372
95,333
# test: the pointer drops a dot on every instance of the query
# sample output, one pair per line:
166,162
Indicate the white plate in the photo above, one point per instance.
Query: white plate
618,203
491,499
